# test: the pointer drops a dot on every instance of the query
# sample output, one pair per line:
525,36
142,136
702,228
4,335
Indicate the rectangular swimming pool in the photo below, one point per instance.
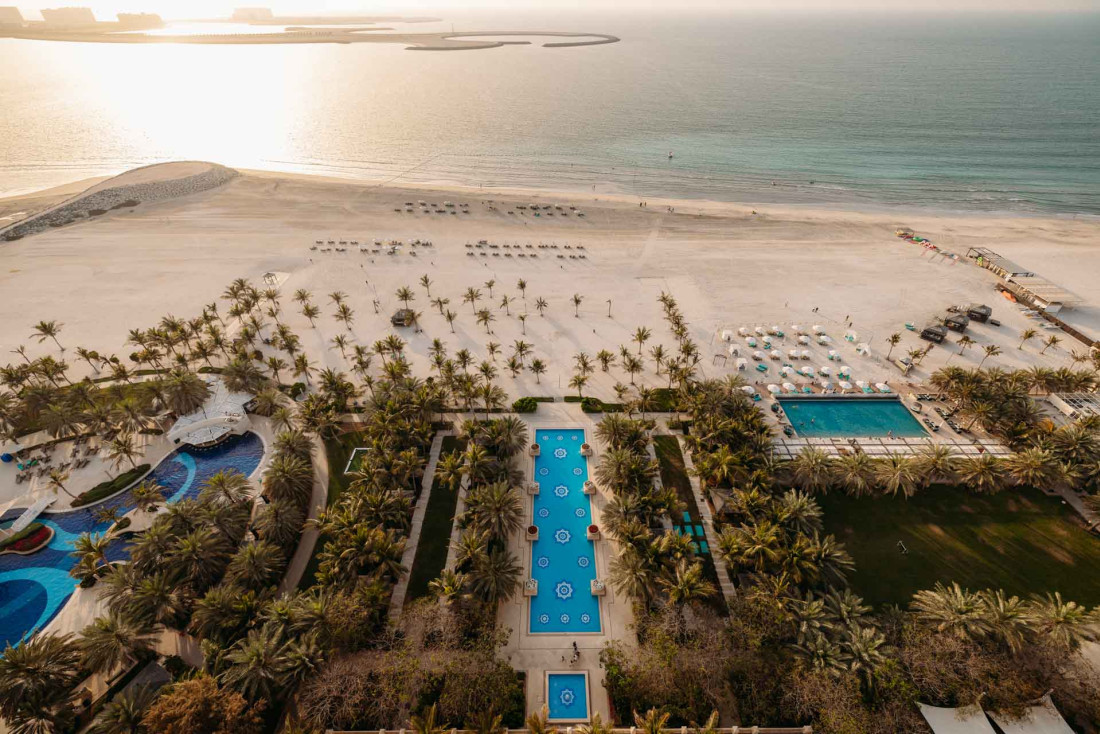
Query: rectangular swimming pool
842,417
563,560
567,696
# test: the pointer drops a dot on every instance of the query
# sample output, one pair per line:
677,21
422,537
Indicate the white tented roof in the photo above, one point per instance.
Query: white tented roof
969,720
1041,719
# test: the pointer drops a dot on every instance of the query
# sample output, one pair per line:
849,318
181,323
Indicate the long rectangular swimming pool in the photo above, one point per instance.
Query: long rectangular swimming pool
563,560
842,417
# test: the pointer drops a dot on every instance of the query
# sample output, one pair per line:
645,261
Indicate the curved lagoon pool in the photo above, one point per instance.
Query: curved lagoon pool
34,588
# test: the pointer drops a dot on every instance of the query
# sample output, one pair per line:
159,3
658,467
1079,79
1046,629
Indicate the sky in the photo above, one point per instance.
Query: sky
105,9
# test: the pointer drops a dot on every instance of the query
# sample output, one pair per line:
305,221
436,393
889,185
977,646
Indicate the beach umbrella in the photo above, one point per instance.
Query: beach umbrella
819,329
760,331
743,331
882,387
808,371
833,354
796,328
805,354
789,387
775,354
786,370
775,329
774,389
845,385
825,384
861,384
851,335
758,355
845,371
751,341
767,341
803,340
825,370
824,339
748,389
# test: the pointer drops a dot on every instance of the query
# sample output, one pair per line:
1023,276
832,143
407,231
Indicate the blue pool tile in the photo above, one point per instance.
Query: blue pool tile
851,417
567,696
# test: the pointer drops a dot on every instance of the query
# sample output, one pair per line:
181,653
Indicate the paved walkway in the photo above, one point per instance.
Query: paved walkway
728,592
304,552
1092,520
397,599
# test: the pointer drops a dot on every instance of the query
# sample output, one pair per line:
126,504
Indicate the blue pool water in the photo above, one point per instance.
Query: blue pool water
567,696
563,560
851,417
34,588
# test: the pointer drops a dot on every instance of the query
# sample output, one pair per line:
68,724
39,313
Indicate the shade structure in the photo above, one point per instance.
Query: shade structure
768,342
819,329
970,720
775,354
727,335
742,363
803,339
774,329
862,384
748,389
792,353
758,355
808,371
733,351
1041,719
786,370
825,384
805,354
796,328
882,387
845,385
845,371
743,331
863,349
774,389
851,335
823,339
751,341
833,354
825,370
760,330
789,387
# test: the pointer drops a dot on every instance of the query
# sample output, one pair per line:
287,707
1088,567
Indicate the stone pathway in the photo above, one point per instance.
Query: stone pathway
397,600
728,592
304,552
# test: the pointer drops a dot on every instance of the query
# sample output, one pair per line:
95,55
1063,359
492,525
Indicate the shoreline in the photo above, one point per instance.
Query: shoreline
699,206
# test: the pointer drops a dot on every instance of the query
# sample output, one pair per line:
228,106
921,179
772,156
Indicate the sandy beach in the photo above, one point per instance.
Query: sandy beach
727,266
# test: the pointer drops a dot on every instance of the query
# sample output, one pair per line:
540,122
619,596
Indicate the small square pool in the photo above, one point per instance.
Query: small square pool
840,417
567,696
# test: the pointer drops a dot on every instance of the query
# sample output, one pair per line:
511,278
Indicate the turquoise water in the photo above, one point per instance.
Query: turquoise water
563,559
851,417
34,588
567,696
965,111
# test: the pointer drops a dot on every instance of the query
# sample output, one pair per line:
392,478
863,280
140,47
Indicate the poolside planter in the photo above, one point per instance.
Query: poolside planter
589,487
532,532
531,587
533,488
534,450
593,532
586,450
599,588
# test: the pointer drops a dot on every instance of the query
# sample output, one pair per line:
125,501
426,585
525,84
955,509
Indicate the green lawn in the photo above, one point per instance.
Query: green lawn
435,533
1019,540
337,450
674,474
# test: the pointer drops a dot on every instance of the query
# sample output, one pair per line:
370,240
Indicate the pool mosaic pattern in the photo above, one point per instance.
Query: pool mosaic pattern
563,560
34,588
851,418
567,696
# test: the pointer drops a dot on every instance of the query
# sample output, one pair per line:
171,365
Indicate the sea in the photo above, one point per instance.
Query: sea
960,112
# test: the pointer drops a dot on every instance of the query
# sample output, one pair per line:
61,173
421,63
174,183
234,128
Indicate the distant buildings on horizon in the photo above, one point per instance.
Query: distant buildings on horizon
76,17
246,15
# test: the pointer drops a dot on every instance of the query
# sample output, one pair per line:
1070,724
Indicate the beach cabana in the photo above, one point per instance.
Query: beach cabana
727,335
733,351
774,389
742,364
845,386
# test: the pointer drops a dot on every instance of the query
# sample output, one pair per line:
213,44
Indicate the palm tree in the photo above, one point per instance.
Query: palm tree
495,509
185,392
489,286
893,340
1027,335
426,723
687,585
256,565
577,299
426,283
495,575
812,469
485,318
1065,622
57,480
641,336
653,722
521,286
48,330
110,641
539,722
311,312
578,381
964,342
896,474
1051,341
472,296
147,495
288,478
935,463
541,305
125,713
854,472
1005,616
951,609
37,680
537,367
302,367
450,317
405,294
121,449
991,350
1034,467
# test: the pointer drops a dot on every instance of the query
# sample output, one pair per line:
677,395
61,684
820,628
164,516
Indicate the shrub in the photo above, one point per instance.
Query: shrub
297,390
525,405
96,212
26,539
592,405
111,486
122,524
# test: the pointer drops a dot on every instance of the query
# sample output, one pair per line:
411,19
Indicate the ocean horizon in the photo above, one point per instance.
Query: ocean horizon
970,112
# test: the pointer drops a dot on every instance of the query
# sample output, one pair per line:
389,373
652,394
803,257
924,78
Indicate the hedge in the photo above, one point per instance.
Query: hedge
110,487
525,405
24,534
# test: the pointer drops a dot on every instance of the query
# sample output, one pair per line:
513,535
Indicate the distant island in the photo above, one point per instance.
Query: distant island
80,25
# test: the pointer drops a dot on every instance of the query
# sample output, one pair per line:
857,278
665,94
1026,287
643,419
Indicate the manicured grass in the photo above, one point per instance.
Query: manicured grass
337,450
104,490
674,474
435,533
1019,540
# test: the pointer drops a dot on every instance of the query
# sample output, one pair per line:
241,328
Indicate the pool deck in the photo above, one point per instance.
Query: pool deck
543,652
788,448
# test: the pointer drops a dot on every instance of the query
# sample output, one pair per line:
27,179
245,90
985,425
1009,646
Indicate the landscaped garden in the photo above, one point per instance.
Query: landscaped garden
1019,540
435,533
